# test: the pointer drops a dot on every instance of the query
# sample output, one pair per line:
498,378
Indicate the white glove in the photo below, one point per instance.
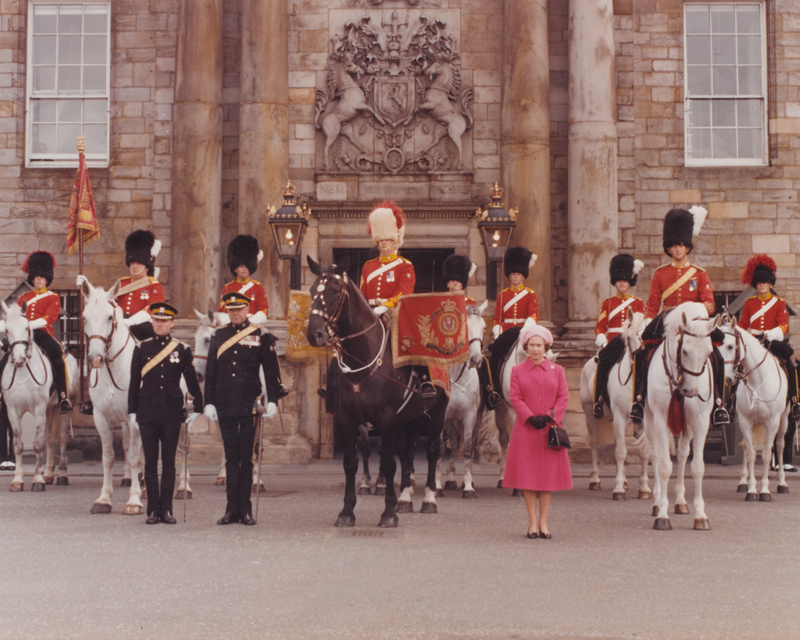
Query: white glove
272,410
210,412
132,420
80,279
600,340
138,318
774,334
379,311
192,417
39,323
496,330
258,318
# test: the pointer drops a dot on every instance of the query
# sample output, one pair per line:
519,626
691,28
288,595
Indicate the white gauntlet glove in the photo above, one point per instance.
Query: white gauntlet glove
258,318
210,412
39,323
496,330
80,279
272,410
379,311
600,340
138,318
132,420
773,334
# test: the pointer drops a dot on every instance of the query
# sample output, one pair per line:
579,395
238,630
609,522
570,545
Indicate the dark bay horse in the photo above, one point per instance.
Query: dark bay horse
370,389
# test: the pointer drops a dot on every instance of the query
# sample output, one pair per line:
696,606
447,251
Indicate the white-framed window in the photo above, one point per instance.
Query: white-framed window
725,84
68,82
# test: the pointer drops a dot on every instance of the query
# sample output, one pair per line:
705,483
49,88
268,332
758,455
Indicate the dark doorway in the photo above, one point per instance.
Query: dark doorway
427,265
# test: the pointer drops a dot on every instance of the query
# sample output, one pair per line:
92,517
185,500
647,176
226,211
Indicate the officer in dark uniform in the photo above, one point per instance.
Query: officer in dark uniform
155,401
236,353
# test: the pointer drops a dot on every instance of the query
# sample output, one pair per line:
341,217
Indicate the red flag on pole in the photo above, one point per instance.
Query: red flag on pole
82,214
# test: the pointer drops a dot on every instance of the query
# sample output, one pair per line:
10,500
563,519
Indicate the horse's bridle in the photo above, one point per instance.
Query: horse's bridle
28,349
676,381
739,355
107,341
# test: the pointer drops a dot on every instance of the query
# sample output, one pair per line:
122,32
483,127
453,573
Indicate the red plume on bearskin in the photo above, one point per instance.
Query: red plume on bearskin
25,268
761,259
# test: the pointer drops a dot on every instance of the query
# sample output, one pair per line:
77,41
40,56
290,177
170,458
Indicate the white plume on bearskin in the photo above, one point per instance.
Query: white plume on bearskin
638,265
156,249
699,214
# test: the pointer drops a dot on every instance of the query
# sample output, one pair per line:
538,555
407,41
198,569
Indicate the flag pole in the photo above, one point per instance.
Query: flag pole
81,351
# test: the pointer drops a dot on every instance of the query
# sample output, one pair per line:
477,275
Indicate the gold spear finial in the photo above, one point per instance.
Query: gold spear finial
81,144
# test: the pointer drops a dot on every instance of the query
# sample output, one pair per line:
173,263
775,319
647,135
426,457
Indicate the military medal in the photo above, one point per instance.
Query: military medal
692,284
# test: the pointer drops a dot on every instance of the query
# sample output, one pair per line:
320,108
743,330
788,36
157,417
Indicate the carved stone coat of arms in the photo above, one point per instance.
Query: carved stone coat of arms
393,99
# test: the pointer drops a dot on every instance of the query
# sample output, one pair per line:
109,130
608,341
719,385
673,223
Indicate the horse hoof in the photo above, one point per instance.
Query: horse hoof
389,522
37,487
259,489
645,495
429,507
364,491
380,491
751,497
468,495
182,494
48,479
682,509
594,486
62,481
125,482
450,485
662,524
440,493
702,524
345,521
499,484
100,507
764,497
220,482
782,488
133,510
742,488
655,511
405,507
618,496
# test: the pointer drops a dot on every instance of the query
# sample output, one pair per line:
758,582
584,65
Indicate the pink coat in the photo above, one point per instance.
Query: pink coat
537,389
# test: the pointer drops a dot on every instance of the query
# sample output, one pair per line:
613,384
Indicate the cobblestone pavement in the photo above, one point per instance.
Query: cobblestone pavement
468,572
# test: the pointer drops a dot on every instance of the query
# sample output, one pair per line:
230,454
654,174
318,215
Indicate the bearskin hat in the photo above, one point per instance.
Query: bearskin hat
141,246
243,250
458,268
624,267
518,260
387,222
760,268
681,225
39,263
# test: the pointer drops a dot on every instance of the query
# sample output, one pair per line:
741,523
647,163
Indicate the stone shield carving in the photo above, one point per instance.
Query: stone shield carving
393,99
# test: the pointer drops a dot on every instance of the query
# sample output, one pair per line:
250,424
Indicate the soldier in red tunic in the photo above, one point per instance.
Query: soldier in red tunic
141,288
765,316
517,303
673,284
456,272
42,307
243,258
624,272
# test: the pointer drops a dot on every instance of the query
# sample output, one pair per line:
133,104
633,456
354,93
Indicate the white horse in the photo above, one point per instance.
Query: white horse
109,353
27,387
618,408
760,385
680,373
464,406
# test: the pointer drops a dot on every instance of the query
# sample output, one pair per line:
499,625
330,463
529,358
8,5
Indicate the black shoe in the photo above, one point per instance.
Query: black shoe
167,518
795,411
721,417
598,411
87,408
152,518
247,520
64,406
637,412
228,518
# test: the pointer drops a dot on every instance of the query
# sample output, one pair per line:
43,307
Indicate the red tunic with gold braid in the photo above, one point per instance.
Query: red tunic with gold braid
696,288
610,320
512,311
253,289
42,304
774,316
135,301
384,280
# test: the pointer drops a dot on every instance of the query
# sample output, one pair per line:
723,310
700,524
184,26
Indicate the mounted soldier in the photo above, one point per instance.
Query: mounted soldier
243,258
624,272
140,288
517,303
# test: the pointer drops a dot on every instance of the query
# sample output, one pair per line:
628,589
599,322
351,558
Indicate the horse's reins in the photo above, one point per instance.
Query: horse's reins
28,350
739,354
109,360
676,381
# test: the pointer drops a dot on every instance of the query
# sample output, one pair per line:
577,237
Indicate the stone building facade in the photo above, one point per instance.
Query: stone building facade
576,107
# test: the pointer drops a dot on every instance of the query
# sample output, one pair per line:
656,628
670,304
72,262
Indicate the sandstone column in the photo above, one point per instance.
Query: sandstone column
592,198
525,135
264,136
197,156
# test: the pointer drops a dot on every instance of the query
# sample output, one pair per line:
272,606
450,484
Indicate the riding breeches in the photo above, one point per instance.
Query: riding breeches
165,434
52,349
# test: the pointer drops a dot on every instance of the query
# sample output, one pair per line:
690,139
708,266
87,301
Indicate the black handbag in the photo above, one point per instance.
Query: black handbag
557,437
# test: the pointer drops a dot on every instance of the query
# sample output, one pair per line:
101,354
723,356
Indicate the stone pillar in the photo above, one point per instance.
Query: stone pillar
592,198
264,136
525,135
197,156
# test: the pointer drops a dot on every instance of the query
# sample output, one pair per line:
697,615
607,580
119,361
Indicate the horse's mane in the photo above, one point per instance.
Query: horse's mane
694,311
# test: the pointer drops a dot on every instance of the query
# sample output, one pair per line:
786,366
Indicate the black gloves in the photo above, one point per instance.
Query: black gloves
538,422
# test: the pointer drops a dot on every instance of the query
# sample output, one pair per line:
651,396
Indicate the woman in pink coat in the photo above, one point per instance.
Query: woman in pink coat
539,394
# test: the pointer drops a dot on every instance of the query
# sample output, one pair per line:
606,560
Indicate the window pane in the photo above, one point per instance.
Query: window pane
697,20
96,138
749,49
69,110
44,110
699,113
750,80
69,79
94,49
44,78
723,18
67,138
95,19
724,50
44,49
724,81
95,110
749,113
43,137
69,50
723,113
748,19
724,141
750,143
44,19
698,50
699,81
699,143
94,80
70,18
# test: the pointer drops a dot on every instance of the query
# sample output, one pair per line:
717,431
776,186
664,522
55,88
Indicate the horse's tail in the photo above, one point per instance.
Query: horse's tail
466,105
320,102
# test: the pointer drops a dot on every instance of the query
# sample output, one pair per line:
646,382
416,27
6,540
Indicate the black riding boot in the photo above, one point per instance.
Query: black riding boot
52,350
606,359
791,370
720,417
639,385
491,398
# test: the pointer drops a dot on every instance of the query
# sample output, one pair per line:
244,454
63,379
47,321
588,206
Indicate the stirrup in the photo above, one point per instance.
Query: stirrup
64,406
87,408
637,413
427,389
721,417
795,411
598,411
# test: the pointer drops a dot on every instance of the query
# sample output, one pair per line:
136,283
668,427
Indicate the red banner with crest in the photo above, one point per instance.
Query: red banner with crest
430,329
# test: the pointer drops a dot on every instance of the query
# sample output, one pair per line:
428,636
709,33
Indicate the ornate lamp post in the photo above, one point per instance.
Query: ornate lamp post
496,226
288,226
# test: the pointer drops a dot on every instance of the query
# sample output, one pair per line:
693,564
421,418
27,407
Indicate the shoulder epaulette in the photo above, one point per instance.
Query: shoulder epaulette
696,267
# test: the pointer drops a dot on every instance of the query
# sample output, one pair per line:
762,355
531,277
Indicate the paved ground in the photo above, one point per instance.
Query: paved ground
467,572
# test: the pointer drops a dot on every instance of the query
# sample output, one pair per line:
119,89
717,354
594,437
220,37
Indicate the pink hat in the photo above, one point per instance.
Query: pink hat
536,330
